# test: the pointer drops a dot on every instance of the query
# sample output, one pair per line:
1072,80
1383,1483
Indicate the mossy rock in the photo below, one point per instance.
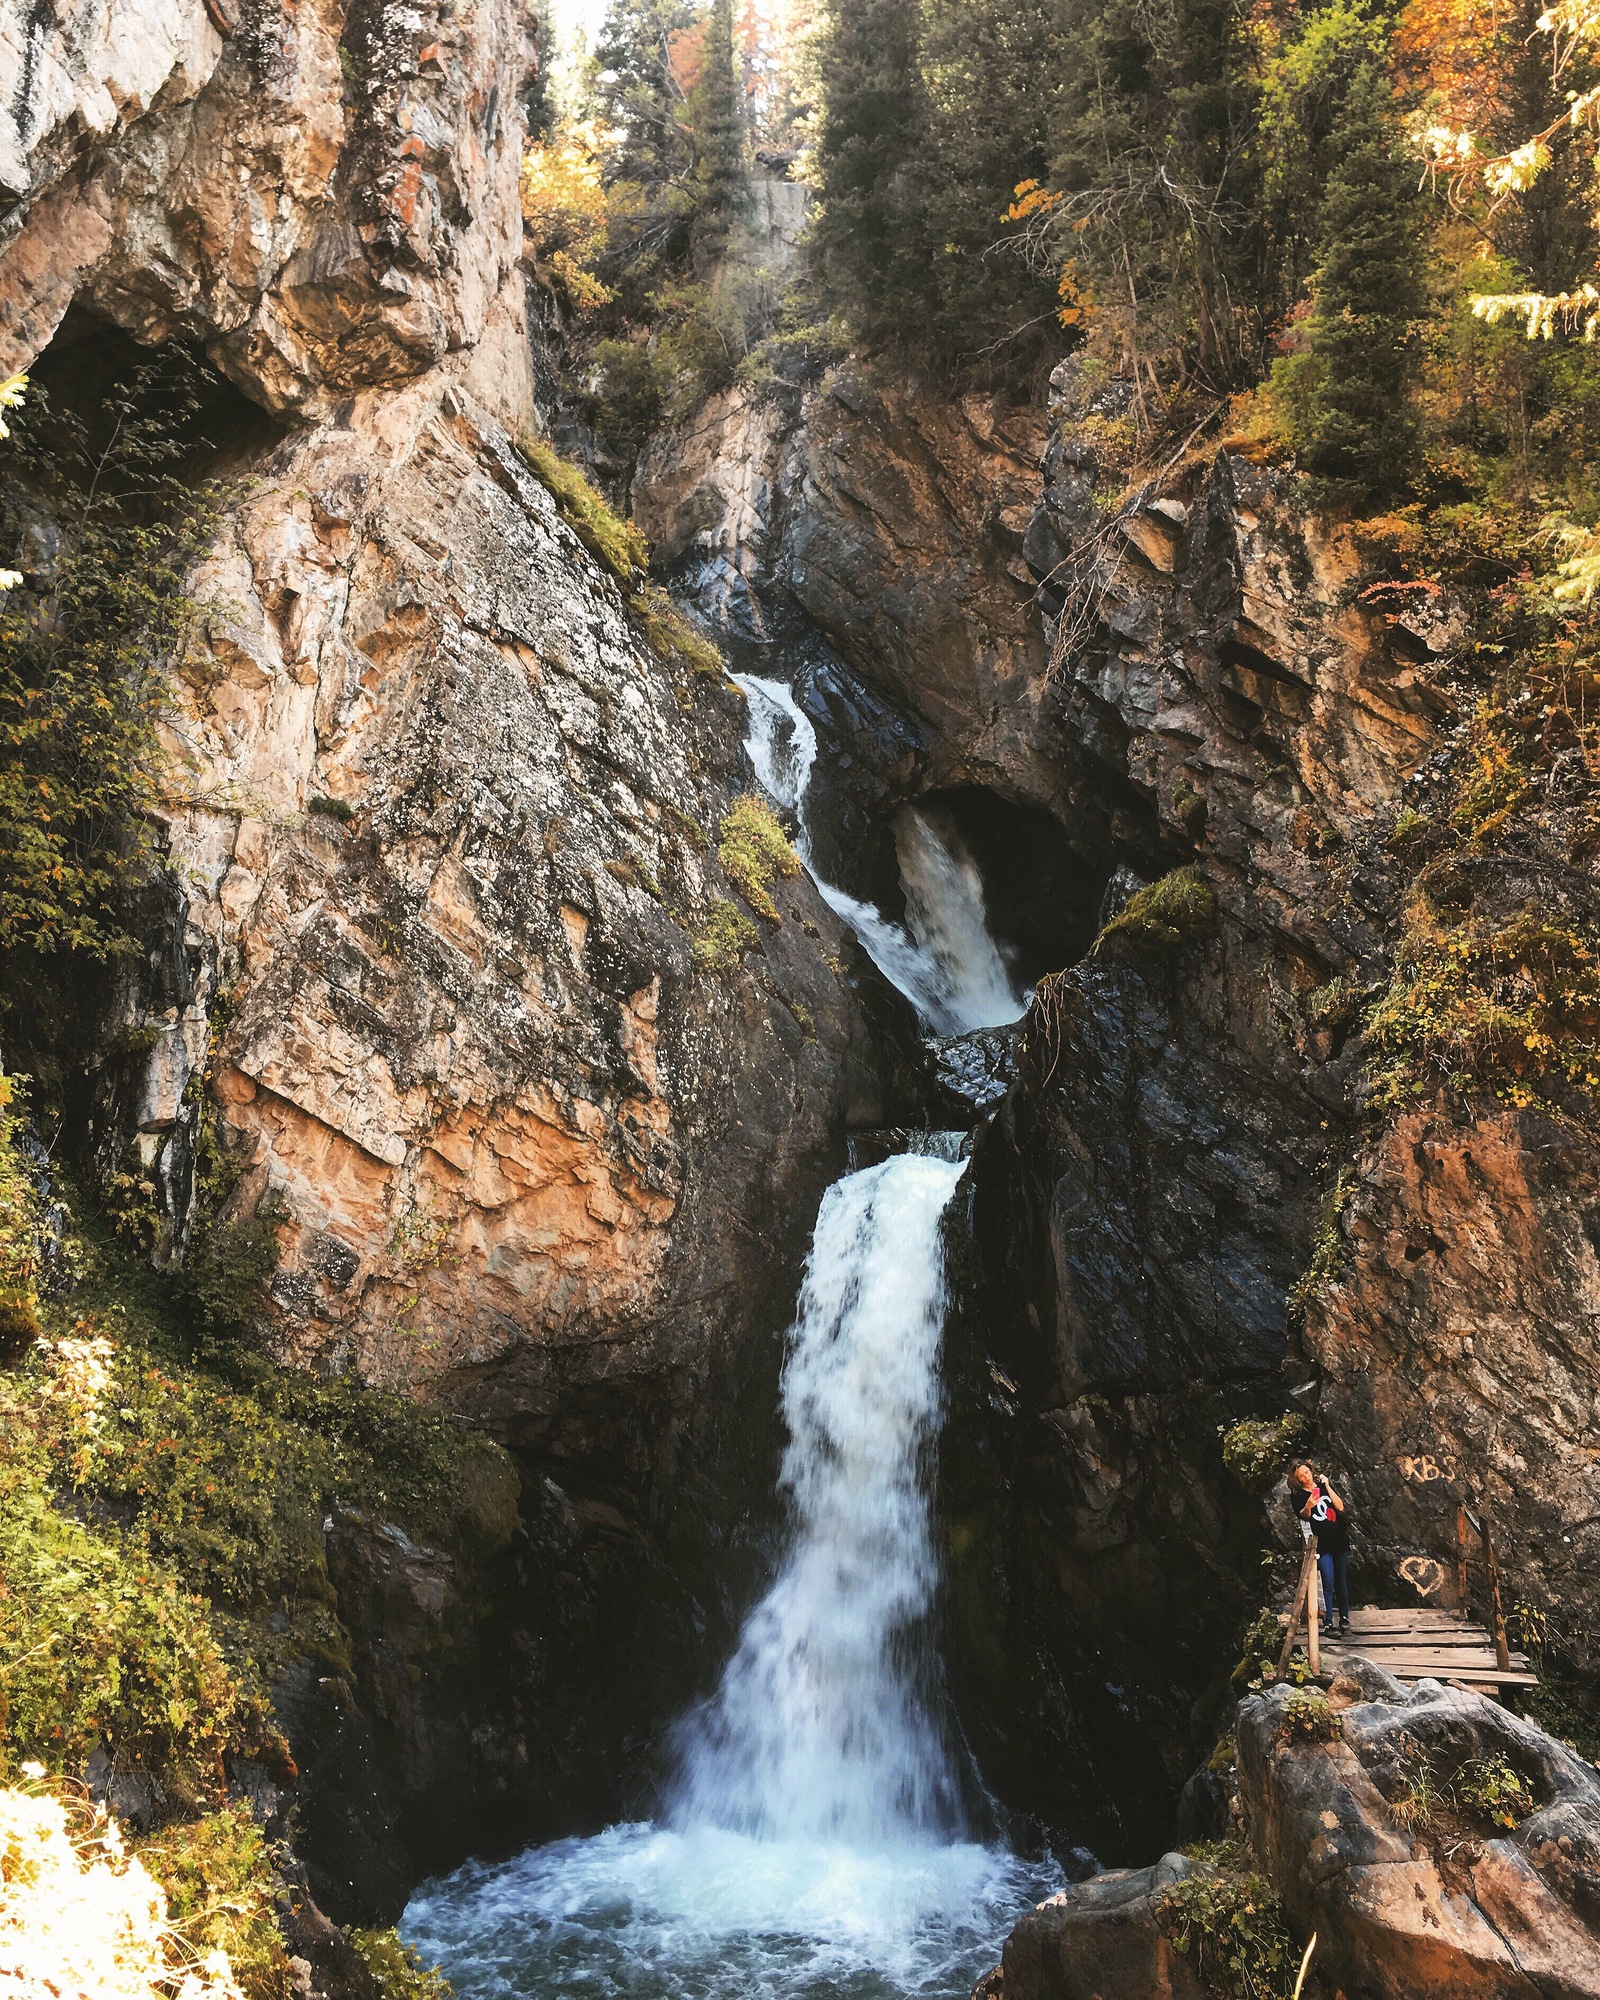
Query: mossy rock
1159,919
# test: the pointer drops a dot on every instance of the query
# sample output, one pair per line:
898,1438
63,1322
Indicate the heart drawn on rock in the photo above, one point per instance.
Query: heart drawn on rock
1423,1574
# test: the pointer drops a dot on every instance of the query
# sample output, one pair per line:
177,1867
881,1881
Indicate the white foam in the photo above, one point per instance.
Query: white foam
814,1843
820,1729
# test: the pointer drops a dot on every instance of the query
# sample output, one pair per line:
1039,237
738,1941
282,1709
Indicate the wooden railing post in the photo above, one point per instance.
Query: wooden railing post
1308,1568
1502,1652
1314,1614
1461,1555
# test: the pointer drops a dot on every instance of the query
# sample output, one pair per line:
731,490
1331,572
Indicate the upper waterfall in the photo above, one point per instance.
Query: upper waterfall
944,958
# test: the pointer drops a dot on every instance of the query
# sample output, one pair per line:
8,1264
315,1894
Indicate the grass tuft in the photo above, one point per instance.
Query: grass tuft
754,849
1164,915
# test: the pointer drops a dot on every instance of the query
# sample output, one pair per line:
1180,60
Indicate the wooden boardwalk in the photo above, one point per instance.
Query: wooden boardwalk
1420,1643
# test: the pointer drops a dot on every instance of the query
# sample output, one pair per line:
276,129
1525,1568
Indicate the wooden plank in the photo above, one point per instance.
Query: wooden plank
1418,1614
1355,1641
1421,1663
1451,1670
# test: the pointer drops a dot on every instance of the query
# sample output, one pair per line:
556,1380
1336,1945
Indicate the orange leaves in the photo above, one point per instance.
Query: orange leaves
1031,199
564,214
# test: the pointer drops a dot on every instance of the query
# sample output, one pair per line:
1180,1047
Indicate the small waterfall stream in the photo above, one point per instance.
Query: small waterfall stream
813,1846
944,959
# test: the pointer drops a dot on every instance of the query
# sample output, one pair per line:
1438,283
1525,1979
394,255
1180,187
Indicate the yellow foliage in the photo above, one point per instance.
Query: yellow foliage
564,214
82,1919
755,850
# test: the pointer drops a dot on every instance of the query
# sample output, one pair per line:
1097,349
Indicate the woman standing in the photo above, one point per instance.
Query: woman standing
1324,1513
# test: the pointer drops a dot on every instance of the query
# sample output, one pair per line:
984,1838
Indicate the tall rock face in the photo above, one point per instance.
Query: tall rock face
1214,685
1190,1145
325,192
451,828
861,539
446,983
446,825
892,523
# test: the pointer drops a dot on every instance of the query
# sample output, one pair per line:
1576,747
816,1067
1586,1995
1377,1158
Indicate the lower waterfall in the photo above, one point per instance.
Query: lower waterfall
814,1845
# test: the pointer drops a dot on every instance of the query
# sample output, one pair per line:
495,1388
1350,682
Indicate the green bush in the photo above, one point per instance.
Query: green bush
1327,1246
1257,1447
1258,1648
221,1875
100,1642
755,851
1309,1718
19,1234
723,939
1231,1926
400,1973
1163,915
1491,1788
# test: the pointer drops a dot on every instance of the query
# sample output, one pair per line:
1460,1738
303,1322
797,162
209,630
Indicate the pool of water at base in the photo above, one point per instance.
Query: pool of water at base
646,1912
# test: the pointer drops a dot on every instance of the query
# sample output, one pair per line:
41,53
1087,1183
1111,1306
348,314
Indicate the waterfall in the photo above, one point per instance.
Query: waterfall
812,1848
819,1729
943,959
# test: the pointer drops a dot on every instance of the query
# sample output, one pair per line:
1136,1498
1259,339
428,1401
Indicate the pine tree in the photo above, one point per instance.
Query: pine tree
1369,296
719,127
870,240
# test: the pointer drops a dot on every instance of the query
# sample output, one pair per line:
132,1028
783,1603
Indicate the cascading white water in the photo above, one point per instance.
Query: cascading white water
819,1730
812,1849
944,959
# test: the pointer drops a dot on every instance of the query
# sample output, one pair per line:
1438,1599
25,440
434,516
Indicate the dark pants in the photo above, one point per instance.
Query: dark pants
1335,1567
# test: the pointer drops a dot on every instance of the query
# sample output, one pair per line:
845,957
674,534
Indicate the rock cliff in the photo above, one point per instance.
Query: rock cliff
1188,1211
1192,1208
443,965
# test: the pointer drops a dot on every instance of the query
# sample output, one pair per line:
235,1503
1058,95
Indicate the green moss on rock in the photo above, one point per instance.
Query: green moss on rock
1163,916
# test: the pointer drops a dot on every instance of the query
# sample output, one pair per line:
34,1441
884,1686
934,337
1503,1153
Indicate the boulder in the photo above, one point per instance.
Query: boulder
1414,1903
1100,1940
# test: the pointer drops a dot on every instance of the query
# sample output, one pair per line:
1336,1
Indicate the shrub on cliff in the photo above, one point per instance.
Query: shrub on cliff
1225,1919
615,544
724,938
1257,1447
755,851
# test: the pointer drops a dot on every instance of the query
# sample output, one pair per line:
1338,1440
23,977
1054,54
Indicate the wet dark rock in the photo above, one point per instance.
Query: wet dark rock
1100,1940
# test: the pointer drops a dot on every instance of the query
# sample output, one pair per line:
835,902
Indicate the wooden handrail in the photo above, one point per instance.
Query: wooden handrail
1461,1556
1502,1652
1304,1588
1465,1518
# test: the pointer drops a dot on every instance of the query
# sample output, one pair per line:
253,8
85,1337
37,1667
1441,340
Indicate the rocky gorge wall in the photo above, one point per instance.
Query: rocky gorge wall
1186,1212
439,963
438,956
